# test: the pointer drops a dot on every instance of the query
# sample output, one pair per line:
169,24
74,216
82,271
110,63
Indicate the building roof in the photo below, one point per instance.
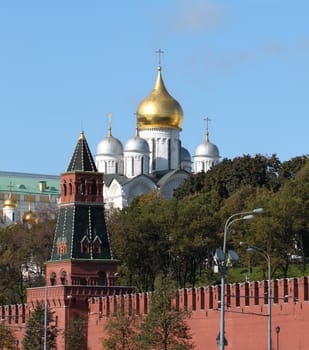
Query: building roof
82,159
29,183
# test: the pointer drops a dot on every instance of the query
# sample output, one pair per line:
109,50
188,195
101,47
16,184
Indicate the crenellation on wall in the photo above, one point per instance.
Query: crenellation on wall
244,303
241,296
13,314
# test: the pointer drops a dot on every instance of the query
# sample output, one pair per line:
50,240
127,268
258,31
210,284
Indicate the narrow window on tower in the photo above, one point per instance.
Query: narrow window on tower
93,188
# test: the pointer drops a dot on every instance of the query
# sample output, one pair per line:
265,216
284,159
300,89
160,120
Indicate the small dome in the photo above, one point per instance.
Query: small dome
159,109
30,218
185,155
207,149
9,203
137,144
110,146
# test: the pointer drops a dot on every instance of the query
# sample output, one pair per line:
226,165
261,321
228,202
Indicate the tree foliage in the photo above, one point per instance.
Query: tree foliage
153,236
35,330
75,334
23,248
165,327
123,331
7,339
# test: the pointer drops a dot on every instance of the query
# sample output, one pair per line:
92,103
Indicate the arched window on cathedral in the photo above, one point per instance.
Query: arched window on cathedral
132,167
70,188
64,189
142,165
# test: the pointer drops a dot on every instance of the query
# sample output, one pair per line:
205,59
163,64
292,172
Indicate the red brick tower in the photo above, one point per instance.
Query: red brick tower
81,253
81,265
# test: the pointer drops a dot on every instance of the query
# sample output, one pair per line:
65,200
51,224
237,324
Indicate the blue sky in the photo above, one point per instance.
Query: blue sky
65,64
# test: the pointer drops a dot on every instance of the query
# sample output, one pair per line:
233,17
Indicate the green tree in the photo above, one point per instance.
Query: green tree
7,339
164,327
142,244
76,333
122,330
21,246
35,331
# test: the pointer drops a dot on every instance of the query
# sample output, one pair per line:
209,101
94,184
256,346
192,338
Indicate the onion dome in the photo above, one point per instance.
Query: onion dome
137,144
110,145
159,109
207,149
185,155
9,203
29,217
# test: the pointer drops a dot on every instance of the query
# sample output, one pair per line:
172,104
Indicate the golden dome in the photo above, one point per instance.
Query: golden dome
30,218
159,109
9,203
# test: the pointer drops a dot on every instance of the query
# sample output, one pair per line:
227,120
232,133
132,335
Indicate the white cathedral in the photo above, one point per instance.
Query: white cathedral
154,158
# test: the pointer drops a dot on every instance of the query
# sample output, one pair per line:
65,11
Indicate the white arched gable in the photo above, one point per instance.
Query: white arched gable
138,186
167,187
113,195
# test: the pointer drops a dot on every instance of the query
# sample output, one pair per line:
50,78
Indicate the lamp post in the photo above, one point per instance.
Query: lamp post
45,317
263,253
248,215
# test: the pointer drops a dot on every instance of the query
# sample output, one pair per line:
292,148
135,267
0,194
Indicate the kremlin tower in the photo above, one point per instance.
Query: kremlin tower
81,266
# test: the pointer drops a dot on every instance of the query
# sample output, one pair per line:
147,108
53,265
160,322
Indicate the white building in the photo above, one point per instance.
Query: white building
154,159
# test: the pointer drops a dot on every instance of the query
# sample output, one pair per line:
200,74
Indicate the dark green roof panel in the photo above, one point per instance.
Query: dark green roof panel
82,159
81,234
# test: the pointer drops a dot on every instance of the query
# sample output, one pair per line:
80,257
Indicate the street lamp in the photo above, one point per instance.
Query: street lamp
263,253
248,215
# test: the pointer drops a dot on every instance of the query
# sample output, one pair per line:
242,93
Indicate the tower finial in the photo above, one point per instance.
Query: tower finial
109,117
10,187
207,131
136,127
159,52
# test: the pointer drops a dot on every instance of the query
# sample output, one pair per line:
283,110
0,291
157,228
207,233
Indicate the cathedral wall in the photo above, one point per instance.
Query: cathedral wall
164,146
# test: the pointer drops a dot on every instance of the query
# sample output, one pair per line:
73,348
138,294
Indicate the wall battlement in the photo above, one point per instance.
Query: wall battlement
246,311
238,295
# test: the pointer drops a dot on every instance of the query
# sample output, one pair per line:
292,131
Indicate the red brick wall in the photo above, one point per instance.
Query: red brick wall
245,316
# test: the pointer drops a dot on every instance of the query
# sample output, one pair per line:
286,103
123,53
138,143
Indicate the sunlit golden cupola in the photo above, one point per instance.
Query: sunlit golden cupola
29,217
159,109
10,202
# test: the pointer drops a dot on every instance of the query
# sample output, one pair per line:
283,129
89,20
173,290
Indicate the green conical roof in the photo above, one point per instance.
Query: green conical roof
82,159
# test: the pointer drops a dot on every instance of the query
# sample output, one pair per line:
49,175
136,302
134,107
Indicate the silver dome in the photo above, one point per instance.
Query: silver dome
137,144
207,149
110,146
184,154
